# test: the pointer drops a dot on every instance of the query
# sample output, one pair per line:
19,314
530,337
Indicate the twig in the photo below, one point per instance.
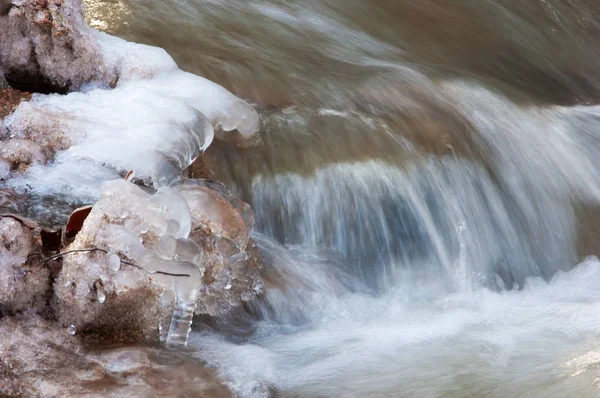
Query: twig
94,249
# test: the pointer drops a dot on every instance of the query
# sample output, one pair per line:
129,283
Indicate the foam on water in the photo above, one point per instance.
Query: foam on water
466,261
416,340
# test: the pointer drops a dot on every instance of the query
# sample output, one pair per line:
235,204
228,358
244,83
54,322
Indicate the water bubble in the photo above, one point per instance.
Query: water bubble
101,296
72,330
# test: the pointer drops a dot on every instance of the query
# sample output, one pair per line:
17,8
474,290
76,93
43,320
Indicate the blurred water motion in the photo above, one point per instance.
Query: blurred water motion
425,168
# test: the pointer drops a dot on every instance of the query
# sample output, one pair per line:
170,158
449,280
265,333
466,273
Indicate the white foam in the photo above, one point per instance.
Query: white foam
416,341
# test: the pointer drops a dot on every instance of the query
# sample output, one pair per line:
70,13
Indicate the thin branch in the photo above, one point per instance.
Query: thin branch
94,249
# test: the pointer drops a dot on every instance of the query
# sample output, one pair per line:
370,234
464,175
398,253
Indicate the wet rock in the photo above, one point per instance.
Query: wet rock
122,303
231,276
221,225
214,213
39,358
31,123
188,230
24,282
9,383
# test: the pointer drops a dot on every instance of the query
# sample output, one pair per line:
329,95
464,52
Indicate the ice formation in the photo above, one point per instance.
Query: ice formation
145,259
175,259
129,106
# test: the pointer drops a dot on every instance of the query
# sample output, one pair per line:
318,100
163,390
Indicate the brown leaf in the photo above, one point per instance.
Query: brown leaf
76,221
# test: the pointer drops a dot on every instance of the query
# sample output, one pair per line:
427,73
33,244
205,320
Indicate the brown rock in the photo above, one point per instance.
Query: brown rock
39,358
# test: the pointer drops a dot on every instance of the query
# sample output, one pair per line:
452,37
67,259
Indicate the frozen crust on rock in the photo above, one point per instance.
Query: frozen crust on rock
24,283
128,106
187,229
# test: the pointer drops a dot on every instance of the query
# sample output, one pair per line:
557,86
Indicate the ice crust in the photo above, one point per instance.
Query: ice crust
162,233
165,252
129,107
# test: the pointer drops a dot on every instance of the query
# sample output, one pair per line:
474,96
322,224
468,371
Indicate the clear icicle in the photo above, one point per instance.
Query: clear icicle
183,314
185,290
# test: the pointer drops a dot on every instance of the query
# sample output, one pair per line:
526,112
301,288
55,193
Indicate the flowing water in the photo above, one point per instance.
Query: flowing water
425,185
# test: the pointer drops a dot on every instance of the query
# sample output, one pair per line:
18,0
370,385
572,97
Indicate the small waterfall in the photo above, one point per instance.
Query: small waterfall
424,180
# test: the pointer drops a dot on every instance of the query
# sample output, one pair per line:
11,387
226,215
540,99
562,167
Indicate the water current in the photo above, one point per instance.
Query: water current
426,189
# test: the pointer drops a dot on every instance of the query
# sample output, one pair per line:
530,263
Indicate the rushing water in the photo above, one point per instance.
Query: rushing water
425,183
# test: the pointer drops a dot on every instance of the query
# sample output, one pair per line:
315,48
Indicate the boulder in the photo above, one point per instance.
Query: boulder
46,46
24,282
161,258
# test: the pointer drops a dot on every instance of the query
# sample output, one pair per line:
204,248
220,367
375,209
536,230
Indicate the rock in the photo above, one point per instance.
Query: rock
186,229
24,284
39,358
221,226
131,308
231,276
9,99
213,213
46,46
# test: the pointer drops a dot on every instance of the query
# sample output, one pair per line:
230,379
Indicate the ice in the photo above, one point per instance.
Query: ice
175,210
166,247
160,280
4,169
213,211
185,290
101,296
129,109
20,153
188,250
114,262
